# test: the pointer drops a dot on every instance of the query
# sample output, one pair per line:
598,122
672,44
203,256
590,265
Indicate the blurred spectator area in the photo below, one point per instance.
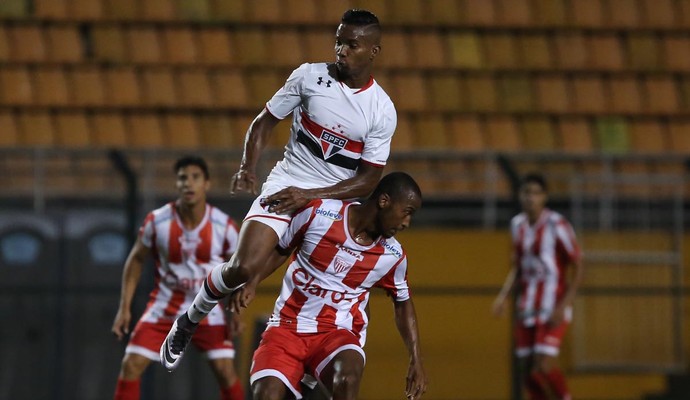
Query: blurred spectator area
583,79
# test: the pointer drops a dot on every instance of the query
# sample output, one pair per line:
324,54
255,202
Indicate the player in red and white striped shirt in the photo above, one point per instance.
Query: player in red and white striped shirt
186,239
544,249
341,250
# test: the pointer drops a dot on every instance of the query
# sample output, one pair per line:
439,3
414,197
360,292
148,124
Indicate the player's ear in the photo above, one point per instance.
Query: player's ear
384,200
207,185
375,50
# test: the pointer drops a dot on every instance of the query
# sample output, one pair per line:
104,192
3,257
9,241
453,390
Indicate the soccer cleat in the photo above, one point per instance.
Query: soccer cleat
175,343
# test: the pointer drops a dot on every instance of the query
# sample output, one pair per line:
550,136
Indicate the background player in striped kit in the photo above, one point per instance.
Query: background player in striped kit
544,249
186,238
343,123
319,322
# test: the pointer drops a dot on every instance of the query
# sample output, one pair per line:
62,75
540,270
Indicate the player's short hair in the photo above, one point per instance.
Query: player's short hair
192,160
359,17
535,177
397,185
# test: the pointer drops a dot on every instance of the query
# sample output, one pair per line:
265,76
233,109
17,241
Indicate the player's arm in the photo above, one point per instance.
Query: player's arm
559,312
258,134
130,279
406,322
499,304
292,198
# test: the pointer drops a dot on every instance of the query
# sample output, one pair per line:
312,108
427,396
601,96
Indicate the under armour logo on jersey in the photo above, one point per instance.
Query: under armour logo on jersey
320,81
331,144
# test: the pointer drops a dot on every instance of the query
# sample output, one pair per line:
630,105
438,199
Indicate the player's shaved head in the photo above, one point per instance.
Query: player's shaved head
397,185
365,19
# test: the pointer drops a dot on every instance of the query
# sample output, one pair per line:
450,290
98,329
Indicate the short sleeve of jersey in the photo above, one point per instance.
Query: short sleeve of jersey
146,232
377,146
289,96
566,238
395,281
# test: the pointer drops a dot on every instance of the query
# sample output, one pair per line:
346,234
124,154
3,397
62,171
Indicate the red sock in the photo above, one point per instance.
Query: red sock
127,390
234,392
535,387
557,383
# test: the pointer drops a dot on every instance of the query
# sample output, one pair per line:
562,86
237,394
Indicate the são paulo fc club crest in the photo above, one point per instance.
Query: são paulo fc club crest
331,144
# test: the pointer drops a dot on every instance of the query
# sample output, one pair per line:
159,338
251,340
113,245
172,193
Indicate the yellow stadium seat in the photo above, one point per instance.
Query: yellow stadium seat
445,12
262,86
575,135
403,139
395,51
180,45
158,10
195,89
552,93
679,138
145,131
606,52
251,47
411,92
265,11
661,94
571,50
430,132
482,93
109,130
302,11
5,46
87,86
64,44
643,51
677,53
230,89
408,12
444,92
181,131
516,93
144,44
589,96
215,47
72,130
230,10
550,12
538,134
466,133
109,43
9,129
658,13
159,87
50,9
122,87
51,87
428,50
625,94
502,134
514,12
612,135
37,129
28,43
193,10
480,12
648,136
464,50
535,51
285,47
17,87
86,9
501,51
623,14
122,10
320,45
587,13
216,132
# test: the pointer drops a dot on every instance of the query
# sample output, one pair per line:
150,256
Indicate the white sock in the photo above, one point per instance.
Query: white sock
213,290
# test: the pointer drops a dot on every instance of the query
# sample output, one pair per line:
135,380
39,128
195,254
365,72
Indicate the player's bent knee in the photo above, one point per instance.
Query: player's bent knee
133,366
346,382
269,388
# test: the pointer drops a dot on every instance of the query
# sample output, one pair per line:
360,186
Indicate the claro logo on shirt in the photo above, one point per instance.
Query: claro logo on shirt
329,214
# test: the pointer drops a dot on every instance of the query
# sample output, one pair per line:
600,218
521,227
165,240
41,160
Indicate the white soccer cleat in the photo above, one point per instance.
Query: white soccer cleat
175,343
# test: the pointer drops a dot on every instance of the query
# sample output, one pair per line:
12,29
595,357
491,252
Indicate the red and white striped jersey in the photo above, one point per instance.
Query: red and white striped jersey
334,127
183,259
327,283
543,252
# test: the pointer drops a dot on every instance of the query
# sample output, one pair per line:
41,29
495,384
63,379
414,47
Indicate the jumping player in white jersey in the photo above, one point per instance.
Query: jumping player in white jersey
544,249
319,323
339,143
186,238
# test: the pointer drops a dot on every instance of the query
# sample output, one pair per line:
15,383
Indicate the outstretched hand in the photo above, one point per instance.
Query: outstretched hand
416,381
288,200
243,181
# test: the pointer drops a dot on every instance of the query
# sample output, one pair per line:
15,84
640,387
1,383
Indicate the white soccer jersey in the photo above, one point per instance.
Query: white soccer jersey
327,283
334,128
184,258
543,252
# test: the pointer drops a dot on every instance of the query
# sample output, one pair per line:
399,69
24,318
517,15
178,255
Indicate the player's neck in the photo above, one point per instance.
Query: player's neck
191,215
533,217
362,231
354,80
